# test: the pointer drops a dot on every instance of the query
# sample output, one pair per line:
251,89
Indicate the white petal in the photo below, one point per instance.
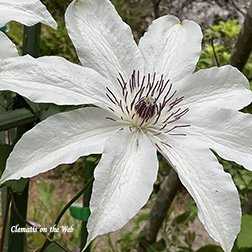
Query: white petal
8,49
123,181
27,12
171,47
102,40
217,86
226,131
213,190
52,79
61,138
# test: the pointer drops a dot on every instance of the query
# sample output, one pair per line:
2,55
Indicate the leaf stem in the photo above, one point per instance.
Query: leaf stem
214,52
89,182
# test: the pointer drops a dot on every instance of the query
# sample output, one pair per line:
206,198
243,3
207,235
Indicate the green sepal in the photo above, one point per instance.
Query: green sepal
78,212
16,118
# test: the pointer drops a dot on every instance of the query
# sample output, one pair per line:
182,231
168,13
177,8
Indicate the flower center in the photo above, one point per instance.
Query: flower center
147,103
146,108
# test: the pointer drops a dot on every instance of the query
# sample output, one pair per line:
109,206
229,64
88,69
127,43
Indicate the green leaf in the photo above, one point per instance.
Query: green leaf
210,248
78,212
244,239
51,188
46,194
52,248
157,246
181,218
143,217
247,178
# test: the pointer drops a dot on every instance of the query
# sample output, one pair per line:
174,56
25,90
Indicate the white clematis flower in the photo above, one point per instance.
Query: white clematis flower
27,12
148,100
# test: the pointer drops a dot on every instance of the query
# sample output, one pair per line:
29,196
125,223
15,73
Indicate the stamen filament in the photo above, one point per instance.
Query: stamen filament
148,104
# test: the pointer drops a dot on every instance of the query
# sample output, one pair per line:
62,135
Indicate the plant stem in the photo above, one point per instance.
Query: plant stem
5,223
31,38
16,209
243,46
214,52
88,173
165,196
17,240
16,118
156,8
70,203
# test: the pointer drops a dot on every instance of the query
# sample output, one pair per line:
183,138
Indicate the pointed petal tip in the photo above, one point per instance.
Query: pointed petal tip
115,51
125,160
89,239
204,178
28,13
171,47
54,24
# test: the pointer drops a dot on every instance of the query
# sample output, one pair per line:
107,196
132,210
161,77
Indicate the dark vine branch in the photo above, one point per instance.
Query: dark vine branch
165,196
214,52
243,46
237,8
156,8
90,181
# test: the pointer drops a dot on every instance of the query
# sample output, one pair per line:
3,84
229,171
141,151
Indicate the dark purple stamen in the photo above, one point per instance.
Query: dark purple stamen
146,108
150,98
110,118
